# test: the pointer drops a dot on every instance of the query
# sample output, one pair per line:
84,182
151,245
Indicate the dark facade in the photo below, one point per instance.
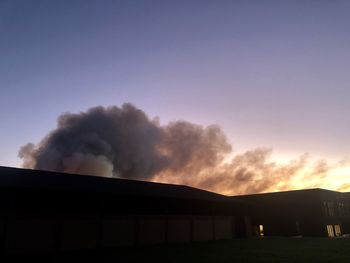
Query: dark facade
312,212
53,212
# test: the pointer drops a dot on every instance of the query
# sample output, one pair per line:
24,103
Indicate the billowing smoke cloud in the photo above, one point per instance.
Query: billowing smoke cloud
123,142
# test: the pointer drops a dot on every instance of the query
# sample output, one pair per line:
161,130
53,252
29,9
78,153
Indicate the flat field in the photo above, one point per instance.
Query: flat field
250,250
237,250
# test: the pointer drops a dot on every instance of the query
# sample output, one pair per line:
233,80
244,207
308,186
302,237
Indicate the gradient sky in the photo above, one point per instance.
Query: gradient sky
270,73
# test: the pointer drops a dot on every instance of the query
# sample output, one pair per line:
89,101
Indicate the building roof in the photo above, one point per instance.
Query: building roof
28,179
287,192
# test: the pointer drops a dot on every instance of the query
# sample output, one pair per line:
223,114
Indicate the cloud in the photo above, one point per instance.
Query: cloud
124,142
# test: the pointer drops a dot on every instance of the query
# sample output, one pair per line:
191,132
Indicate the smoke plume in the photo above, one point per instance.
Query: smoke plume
124,142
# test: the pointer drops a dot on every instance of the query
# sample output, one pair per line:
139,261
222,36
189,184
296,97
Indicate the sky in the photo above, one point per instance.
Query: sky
271,74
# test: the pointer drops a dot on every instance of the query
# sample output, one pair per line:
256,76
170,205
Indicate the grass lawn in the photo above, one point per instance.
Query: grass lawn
238,250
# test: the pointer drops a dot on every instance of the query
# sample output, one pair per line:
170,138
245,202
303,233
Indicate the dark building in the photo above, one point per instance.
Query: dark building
312,212
53,212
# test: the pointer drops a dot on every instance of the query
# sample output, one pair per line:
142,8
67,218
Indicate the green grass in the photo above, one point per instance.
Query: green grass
238,250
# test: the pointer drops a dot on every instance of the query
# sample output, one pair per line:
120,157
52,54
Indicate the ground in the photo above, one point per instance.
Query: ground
237,250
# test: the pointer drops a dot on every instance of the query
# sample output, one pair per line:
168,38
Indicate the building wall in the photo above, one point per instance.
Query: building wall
52,212
223,227
118,231
203,228
54,233
151,230
179,229
80,232
25,233
304,212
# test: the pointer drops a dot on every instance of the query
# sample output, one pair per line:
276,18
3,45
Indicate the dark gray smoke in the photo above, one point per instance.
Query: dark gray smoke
123,142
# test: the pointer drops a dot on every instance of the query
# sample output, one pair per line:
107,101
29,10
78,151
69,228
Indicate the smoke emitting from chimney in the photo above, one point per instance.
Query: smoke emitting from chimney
124,142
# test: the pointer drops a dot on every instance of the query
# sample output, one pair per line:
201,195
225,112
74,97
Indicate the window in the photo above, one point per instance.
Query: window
330,231
261,230
337,230
325,208
331,208
341,209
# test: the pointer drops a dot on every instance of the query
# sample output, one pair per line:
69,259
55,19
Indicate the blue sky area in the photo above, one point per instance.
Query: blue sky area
270,73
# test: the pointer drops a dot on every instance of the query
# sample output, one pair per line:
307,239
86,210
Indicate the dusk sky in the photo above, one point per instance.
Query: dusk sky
271,74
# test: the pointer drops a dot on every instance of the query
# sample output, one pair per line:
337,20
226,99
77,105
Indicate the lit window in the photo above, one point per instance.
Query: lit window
330,231
337,230
261,230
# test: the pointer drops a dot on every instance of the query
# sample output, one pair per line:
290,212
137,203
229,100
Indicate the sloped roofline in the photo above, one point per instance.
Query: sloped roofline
289,191
29,179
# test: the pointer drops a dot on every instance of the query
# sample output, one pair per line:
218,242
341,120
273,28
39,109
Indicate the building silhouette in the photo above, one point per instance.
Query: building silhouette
311,212
54,212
